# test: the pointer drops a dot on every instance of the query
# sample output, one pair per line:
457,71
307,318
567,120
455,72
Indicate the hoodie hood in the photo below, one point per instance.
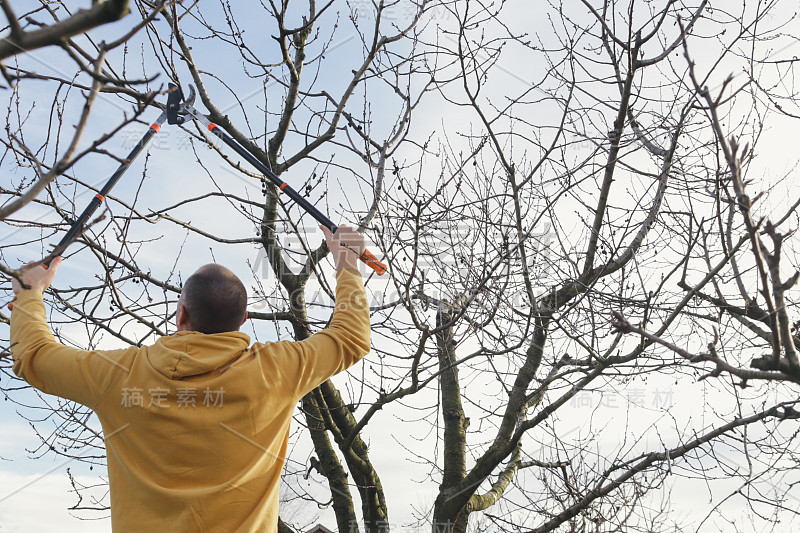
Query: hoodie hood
189,353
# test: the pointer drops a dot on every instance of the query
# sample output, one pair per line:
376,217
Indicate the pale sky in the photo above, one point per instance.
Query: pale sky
36,493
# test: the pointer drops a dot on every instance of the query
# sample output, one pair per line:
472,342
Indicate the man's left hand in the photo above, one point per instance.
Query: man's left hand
36,277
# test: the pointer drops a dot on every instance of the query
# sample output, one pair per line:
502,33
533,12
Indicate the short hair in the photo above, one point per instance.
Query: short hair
215,298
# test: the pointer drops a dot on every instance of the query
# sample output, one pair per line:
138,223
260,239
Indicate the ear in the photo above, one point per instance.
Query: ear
245,317
182,319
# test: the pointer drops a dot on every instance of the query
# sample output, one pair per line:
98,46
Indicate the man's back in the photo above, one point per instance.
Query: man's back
196,425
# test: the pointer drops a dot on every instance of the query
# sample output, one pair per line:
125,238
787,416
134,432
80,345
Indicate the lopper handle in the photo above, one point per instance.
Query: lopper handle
366,256
371,261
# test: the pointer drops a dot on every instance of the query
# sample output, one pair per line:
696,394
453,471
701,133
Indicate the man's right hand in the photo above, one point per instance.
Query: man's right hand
346,245
37,277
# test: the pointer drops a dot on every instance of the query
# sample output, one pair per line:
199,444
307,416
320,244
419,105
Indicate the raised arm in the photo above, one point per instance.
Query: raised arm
78,375
306,364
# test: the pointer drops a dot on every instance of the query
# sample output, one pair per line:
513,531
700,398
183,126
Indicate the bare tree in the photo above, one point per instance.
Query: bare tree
563,212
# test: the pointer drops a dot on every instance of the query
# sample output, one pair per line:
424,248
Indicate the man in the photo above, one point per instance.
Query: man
196,426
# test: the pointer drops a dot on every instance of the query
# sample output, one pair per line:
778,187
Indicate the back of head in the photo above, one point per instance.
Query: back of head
215,299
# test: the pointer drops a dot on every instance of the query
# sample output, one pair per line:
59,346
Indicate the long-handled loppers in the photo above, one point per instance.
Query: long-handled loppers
176,112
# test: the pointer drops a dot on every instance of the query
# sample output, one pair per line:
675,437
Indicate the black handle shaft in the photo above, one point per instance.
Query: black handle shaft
282,185
366,256
77,226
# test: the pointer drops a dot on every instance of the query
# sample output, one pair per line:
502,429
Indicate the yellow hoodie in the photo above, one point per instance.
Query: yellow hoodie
196,426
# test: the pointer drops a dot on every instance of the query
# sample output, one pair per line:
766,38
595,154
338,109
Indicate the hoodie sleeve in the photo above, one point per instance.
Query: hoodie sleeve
78,375
306,364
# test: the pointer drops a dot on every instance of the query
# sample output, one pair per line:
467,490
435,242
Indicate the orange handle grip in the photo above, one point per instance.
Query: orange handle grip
371,261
